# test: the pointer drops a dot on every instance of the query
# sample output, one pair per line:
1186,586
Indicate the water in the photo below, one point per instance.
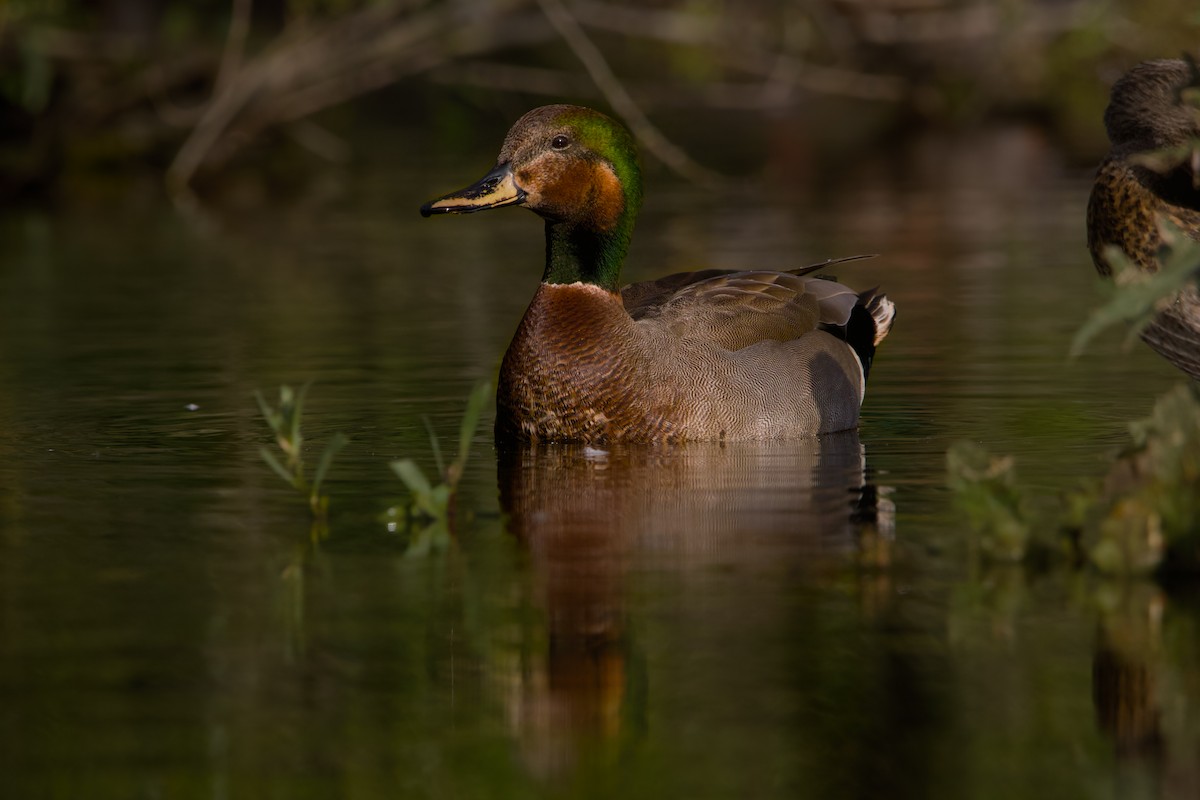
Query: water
800,619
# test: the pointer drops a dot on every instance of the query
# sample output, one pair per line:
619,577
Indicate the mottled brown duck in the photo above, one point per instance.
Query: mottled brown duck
1147,113
713,355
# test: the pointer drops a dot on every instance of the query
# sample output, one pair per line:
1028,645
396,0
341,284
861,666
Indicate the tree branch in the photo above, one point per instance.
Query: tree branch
614,92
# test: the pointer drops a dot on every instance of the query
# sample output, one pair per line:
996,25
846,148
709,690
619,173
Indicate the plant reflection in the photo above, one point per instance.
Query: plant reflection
292,601
594,521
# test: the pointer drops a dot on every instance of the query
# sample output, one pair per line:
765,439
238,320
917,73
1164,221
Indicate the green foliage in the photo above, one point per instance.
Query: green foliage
428,503
1137,296
1131,539
432,503
284,421
985,487
1144,517
1152,508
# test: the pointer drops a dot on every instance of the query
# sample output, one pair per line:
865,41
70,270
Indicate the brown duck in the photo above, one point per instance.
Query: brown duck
1146,113
695,356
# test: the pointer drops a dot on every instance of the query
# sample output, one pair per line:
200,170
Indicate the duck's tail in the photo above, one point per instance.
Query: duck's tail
870,321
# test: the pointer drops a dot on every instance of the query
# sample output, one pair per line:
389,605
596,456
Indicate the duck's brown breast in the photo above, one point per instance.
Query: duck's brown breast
1124,211
580,369
576,370
1121,212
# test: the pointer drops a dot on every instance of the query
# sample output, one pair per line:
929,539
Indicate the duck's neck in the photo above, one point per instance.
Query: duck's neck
579,254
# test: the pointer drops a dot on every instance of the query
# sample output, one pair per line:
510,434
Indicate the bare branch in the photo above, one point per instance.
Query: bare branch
674,26
616,95
310,68
235,44
514,78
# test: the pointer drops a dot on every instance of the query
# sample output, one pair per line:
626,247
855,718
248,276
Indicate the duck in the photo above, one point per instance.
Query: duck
712,355
1128,199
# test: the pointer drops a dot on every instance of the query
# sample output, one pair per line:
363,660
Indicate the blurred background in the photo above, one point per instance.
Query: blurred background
200,90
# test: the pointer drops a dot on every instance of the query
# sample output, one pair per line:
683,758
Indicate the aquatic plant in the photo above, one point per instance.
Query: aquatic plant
1142,518
284,421
1150,508
428,502
985,488
1136,296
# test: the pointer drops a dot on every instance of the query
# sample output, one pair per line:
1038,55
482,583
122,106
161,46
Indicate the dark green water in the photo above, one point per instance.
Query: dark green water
788,620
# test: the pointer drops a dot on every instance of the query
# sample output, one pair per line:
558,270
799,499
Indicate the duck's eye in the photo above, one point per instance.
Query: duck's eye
560,142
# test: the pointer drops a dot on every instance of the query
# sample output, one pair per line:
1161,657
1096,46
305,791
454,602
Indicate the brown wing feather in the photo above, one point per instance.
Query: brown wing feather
737,309
639,298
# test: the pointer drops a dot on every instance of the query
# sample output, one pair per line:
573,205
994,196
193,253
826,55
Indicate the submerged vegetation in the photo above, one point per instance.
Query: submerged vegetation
434,503
284,421
1149,505
985,488
1144,516
429,505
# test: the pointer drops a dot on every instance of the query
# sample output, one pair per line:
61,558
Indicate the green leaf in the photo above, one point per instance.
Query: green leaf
408,471
274,464
272,417
433,504
440,497
335,446
433,442
1136,298
296,412
421,541
470,420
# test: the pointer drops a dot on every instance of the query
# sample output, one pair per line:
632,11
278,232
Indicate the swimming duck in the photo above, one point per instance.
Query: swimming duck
1145,113
712,355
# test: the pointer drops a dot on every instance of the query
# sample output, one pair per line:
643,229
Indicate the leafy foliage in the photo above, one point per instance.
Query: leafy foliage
427,501
1137,296
1144,517
985,487
1152,503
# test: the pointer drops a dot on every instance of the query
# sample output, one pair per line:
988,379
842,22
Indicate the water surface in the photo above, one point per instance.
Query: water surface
780,620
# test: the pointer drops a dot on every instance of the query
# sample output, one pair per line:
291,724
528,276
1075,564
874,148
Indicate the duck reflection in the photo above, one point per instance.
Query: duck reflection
590,519
1146,683
1125,671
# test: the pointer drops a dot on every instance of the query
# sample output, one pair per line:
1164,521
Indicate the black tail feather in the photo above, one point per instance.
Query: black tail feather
870,321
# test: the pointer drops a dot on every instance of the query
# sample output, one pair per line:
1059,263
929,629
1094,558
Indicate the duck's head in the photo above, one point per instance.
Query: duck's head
568,163
1147,110
576,168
